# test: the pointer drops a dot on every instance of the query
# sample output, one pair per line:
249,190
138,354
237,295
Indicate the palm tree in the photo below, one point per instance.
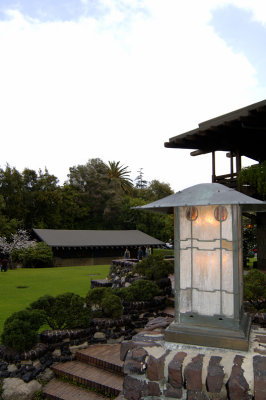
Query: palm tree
119,175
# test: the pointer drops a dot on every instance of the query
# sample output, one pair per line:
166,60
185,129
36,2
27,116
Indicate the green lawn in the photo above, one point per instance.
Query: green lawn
20,287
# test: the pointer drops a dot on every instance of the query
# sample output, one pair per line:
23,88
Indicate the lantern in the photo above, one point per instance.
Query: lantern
208,265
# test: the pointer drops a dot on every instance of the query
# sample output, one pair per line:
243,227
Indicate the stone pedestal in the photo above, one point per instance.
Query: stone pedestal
204,335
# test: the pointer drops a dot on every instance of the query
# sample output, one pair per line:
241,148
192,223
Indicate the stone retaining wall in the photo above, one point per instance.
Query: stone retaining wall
159,370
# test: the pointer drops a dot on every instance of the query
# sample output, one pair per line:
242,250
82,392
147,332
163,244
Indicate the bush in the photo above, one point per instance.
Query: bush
140,290
40,255
104,303
112,306
21,329
65,311
154,267
255,289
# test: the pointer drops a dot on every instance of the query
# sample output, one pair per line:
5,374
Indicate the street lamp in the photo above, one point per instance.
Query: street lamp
208,265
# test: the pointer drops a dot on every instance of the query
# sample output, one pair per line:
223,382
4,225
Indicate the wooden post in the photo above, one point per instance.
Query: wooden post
213,167
238,167
232,164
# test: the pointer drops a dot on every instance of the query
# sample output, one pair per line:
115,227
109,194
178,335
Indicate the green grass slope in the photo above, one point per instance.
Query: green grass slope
19,288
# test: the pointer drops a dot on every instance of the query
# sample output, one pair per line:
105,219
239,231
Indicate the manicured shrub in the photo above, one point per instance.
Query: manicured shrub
104,303
21,329
141,290
34,317
39,255
95,296
46,304
255,289
112,306
65,311
154,267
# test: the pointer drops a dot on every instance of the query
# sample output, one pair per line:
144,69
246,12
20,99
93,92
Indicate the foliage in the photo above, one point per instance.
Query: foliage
154,267
31,198
39,255
255,176
249,240
65,311
39,395
104,303
141,290
255,289
21,328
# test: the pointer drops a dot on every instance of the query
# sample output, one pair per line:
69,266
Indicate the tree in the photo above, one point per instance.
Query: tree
11,188
140,182
101,199
119,175
41,198
18,241
7,227
30,198
159,190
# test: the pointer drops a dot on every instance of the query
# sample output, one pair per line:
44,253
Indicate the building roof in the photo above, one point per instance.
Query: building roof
95,238
205,194
241,132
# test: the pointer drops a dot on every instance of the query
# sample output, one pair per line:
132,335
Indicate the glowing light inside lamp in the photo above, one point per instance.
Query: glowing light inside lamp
191,213
220,213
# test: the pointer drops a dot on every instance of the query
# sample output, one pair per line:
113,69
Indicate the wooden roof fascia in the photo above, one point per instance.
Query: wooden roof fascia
236,114
239,126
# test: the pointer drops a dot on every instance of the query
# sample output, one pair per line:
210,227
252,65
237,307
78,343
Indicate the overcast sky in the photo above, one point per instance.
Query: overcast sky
115,79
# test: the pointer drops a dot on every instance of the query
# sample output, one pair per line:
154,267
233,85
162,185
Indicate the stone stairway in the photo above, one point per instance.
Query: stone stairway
96,374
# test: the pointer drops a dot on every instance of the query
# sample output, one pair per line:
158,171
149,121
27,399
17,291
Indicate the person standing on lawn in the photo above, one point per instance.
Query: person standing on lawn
4,263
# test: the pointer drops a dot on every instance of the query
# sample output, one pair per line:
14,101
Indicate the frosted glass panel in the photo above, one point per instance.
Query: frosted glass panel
206,303
227,272
206,270
228,304
185,300
185,269
206,256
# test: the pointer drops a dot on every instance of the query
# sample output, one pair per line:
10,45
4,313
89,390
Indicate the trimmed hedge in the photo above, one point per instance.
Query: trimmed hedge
104,303
21,329
141,290
154,267
40,256
65,311
255,290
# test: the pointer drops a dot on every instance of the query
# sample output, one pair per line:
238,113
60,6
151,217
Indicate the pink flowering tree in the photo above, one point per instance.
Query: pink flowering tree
18,241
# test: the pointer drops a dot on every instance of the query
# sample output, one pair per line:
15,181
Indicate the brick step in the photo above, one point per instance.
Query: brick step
92,377
58,390
105,356
169,312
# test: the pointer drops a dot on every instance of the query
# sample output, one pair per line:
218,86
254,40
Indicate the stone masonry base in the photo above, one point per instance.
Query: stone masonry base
163,370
